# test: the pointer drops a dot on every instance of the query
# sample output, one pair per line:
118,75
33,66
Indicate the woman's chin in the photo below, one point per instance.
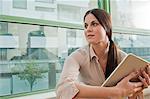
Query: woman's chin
92,40
97,43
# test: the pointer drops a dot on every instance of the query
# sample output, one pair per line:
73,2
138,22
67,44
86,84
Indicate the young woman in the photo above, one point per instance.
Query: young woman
87,68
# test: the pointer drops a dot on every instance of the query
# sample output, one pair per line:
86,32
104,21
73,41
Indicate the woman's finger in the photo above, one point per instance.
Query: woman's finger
138,84
140,95
148,69
137,89
146,76
143,81
136,95
132,75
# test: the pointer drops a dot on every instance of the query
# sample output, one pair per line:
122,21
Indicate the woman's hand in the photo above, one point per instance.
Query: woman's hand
144,77
146,74
138,95
128,88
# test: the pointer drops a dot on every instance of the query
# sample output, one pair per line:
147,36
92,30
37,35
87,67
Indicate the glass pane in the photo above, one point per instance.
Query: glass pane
45,1
32,56
3,28
61,10
131,13
44,9
5,88
137,44
21,4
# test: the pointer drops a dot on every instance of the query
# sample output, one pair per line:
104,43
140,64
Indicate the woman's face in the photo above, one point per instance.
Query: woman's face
94,32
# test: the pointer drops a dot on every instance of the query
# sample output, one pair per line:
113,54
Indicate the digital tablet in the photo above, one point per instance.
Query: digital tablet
129,64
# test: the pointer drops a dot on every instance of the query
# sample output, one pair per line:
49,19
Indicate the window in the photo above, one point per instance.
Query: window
69,13
3,54
38,44
44,9
137,44
45,1
20,4
47,56
71,37
131,13
3,28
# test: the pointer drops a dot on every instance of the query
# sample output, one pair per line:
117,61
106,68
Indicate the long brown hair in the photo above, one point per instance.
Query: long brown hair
104,19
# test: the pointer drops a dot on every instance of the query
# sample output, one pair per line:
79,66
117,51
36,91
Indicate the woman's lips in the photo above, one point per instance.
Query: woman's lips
90,35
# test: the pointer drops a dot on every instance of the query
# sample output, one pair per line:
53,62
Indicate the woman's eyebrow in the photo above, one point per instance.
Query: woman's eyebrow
94,21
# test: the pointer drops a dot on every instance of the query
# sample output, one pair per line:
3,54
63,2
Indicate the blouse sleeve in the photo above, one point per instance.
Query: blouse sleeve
121,55
66,88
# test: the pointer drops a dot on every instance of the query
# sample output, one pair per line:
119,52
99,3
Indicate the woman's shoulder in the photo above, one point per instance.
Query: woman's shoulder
80,54
82,51
121,55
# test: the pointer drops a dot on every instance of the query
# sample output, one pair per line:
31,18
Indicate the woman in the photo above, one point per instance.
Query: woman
87,68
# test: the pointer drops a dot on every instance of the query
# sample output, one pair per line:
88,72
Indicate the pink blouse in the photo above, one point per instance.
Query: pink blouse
81,66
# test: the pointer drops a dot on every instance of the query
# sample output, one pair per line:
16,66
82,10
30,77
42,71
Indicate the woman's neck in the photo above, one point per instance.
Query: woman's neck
101,50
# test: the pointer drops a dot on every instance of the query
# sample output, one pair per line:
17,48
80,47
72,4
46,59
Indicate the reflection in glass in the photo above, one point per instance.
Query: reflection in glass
137,44
70,11
33,59
130,13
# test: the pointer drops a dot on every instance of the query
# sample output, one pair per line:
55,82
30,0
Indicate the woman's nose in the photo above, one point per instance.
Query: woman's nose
89,28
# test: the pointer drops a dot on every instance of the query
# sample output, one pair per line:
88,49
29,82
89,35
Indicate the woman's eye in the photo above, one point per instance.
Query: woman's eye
85,26
95,24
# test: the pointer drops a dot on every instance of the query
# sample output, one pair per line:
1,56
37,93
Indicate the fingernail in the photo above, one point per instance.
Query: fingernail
140,77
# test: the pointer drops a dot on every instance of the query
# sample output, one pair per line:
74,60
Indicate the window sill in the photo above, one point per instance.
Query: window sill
47,95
